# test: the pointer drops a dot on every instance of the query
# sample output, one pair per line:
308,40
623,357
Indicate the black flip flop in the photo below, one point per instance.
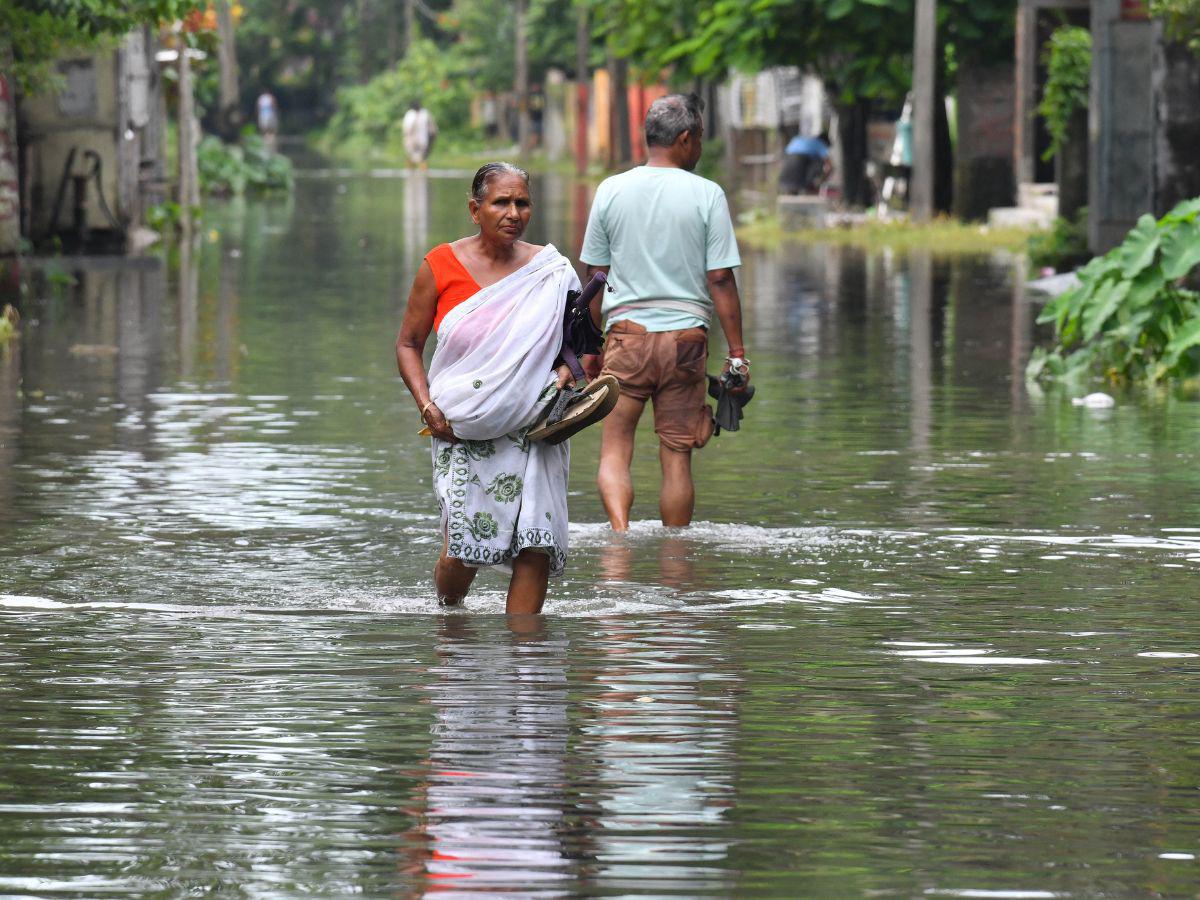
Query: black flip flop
572,411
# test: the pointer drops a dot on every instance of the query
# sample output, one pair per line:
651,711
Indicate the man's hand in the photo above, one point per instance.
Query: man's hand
439,425
592,364
743,373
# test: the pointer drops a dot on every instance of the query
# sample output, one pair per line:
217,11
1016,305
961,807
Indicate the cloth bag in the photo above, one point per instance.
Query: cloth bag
496,350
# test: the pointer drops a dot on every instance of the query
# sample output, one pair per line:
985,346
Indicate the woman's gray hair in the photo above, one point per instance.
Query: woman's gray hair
670,116
488,173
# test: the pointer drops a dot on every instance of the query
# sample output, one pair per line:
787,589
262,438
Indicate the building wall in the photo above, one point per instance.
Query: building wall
1177,142
983,162
109,103
82,115
1144,122
1121,123
10,198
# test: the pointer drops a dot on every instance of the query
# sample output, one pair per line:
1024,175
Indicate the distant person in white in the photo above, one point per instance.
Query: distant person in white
420,130
267,110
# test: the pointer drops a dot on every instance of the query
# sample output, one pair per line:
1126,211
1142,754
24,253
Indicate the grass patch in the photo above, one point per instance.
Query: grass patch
940,235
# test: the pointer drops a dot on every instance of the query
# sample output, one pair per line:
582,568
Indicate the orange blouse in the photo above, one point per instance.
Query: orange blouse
454,283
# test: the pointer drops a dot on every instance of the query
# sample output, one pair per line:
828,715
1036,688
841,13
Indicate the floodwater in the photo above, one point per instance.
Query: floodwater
932,634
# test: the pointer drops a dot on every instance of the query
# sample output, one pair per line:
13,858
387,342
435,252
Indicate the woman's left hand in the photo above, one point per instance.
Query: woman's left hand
564,376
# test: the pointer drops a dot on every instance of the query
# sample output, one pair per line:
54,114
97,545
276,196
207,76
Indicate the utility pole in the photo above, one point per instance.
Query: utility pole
620,150
229,118
581,87
522,81
10,195
410,24
189,189
920,187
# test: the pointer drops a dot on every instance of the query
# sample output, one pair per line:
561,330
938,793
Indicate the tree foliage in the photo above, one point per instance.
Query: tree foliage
375,109
1068,59
481,34
1182,18
38,30
1131,317
861,48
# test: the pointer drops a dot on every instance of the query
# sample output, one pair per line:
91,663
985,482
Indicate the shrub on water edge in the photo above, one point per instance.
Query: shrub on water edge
1063,246
8,323
233,169
1132,318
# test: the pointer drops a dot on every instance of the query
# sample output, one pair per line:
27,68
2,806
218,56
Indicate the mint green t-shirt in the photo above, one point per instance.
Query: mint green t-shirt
660,230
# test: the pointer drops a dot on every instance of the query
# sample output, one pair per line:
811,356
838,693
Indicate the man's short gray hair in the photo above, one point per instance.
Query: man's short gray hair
670,116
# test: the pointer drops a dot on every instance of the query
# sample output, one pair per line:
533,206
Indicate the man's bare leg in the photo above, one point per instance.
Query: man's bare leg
451,579
616,454
677,501
527,588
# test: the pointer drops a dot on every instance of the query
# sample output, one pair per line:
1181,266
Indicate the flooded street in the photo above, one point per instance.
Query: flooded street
931,635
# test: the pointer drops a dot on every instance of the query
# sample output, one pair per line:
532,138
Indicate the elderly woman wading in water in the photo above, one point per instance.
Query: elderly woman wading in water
497,304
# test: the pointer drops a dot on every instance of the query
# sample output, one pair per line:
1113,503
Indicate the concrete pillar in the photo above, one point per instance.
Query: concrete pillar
1177,140
521,84
983,162
1025,99
582,43
10,197
1121,124
554,128
924,98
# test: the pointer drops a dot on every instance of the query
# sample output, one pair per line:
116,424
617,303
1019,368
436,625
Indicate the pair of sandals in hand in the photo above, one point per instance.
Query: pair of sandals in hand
572,410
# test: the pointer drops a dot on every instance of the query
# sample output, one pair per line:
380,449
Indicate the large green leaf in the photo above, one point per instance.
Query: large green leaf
1145,287
1186,211
1184,339
1138,250
1180,249
1102,305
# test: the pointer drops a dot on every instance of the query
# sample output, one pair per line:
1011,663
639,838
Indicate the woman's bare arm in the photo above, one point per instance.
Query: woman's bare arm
410,348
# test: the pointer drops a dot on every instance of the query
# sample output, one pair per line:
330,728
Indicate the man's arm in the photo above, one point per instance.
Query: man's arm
722,287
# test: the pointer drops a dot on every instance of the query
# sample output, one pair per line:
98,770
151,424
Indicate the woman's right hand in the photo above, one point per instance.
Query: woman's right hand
439,425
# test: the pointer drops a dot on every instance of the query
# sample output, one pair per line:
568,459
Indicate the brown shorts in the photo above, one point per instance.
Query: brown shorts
667,368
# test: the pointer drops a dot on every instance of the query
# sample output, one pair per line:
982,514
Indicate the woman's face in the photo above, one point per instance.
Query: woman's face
503,214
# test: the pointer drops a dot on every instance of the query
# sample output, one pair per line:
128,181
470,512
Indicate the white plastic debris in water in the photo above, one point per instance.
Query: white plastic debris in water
1098,400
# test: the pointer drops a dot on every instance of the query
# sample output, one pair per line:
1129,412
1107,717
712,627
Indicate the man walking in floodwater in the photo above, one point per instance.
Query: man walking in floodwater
420,130
664,236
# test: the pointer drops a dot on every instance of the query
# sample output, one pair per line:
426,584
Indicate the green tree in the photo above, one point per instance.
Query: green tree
1068,59
1182,18
34,32
861,48
482,34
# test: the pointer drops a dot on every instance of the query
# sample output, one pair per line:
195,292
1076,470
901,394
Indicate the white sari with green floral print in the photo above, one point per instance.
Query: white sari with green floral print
491,376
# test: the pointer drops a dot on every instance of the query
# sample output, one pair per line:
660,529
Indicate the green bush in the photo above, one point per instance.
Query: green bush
1132,317
1064,246
248,167
1182,18
376,109
1068,59
8,323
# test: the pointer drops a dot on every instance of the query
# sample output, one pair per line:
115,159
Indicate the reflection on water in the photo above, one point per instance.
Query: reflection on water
494,805
661,732
931,634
